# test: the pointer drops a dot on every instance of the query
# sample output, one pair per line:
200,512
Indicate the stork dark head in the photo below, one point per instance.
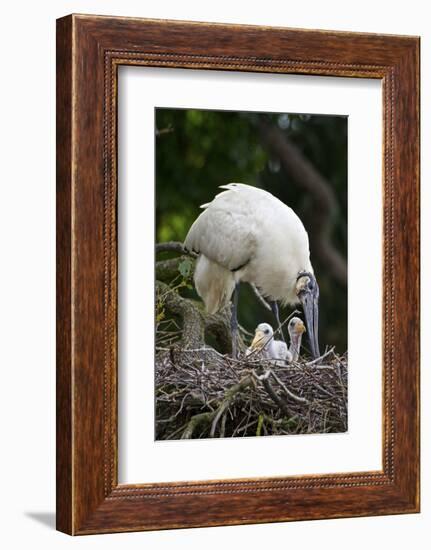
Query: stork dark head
307,291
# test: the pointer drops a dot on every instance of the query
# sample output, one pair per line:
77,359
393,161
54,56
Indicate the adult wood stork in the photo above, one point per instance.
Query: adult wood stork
267,347
247,234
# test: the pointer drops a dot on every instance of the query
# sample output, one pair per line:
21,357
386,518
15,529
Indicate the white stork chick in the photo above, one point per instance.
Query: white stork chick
296,329
247,234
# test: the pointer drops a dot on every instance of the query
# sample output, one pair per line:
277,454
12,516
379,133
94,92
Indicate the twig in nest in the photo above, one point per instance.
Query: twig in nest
331,350
195,421
287,391
275,397
228,397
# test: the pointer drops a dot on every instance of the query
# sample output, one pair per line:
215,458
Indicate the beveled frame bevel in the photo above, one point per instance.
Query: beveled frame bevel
89,51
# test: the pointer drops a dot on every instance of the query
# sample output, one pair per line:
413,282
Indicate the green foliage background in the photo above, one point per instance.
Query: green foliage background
197,151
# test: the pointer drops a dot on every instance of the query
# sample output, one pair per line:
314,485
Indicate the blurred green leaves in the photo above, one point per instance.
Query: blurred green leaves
185,268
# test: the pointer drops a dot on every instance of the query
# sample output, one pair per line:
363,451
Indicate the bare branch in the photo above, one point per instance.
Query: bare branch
193,325
167,270
173,246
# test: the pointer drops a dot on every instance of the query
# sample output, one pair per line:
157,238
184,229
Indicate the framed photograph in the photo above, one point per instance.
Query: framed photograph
237,274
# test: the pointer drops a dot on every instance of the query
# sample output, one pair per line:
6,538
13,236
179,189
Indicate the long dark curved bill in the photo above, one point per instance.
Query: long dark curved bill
310,305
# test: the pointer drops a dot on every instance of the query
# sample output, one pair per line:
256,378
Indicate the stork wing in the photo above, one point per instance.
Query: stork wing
225,233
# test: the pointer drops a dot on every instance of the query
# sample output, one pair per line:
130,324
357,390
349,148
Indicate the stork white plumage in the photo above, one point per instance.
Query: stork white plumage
247,234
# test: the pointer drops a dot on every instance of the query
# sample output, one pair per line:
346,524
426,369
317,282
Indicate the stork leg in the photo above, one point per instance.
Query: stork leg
234,321
274,307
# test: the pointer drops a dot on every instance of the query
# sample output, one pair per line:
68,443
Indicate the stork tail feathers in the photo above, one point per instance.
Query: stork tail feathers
213,283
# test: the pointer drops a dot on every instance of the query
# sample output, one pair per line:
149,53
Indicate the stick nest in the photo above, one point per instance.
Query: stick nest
203,394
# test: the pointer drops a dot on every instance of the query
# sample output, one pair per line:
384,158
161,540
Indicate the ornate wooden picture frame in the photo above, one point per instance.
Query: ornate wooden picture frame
89,51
